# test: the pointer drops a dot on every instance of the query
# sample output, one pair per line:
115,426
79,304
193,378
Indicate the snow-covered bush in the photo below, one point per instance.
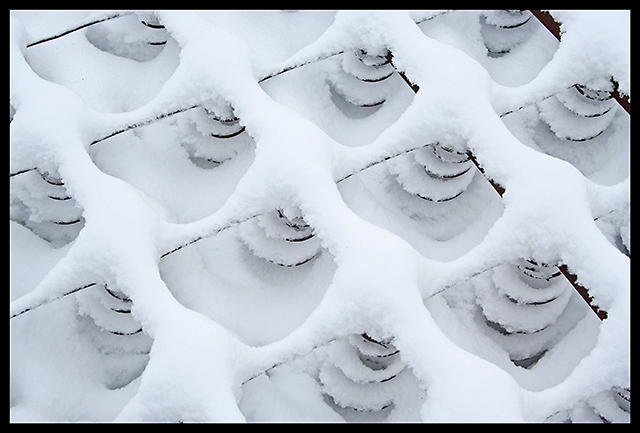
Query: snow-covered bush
292,216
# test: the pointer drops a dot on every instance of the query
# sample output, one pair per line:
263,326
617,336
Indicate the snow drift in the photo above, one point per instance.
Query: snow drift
250,216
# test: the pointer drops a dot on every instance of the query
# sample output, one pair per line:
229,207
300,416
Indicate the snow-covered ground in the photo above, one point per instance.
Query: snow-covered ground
251,216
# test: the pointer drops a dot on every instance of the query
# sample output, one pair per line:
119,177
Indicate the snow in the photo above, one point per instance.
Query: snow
241,319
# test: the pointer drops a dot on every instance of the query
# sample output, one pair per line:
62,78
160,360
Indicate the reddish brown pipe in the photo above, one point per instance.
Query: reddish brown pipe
572,278
554,27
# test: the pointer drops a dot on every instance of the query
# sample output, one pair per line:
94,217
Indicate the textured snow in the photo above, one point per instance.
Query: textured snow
238,338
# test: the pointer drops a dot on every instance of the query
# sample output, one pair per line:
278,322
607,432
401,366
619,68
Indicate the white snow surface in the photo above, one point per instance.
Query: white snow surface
236,338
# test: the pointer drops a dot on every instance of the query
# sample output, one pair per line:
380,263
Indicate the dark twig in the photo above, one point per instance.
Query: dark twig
79,27
288,358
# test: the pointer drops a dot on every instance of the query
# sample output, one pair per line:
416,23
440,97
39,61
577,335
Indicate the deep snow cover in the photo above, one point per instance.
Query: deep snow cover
251,216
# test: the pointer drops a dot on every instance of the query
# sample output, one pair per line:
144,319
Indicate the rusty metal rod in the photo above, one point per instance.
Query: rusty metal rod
572,278
554,27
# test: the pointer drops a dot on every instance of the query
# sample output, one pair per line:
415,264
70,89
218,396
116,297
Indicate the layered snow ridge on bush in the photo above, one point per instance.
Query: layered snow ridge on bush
289,216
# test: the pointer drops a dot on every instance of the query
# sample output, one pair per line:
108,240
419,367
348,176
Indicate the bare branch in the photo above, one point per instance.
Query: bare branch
300,64
211,232
21,172
380,160
142,123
